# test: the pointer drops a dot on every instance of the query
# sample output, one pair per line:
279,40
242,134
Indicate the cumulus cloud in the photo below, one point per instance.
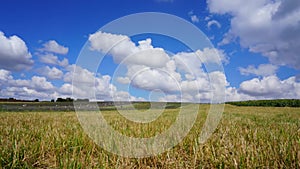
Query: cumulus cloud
79,74
48,54
124,50
205,90
271,28
5,75
66,89
14,54
35,87
261,70
234,94
24,93
192,61
87,84
52,59
271,87
152,79
286,8
53,47
36,82
51,73
267,27
149,68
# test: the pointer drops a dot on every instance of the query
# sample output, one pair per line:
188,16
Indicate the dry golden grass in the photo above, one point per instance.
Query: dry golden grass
247,137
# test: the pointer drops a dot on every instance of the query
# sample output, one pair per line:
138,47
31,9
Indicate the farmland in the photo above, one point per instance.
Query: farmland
246,137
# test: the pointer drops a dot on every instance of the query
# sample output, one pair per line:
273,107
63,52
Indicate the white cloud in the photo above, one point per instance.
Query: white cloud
227,38
14,54
261,70
124,50
123,80
53,47
194,18
5,75
152,79
53,60
64,62
79,75
24,93
212,55
170,98
36,87
180,73
269,27
213,22
192,61
51,73
271,87
233,94
66,89
206,89
87,84
36,82
40,84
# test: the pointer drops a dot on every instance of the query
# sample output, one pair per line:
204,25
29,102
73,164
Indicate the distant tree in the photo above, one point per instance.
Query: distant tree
11,99
82,100
36,100
68,99
60,100
52,100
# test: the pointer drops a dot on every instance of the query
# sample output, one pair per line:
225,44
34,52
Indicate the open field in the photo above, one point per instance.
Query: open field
247,137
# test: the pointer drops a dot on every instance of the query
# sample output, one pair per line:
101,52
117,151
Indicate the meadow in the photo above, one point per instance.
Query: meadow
246,137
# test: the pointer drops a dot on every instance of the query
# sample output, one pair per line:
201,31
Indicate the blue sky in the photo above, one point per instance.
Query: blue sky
258,42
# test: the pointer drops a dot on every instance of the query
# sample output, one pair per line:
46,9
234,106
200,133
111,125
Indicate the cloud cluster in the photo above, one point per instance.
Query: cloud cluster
48,54
180,76
261,70
53,47
37,86
14,54
95,87
150,68
51,73
271,87
52,59
124,50
183,71
86,84
269,27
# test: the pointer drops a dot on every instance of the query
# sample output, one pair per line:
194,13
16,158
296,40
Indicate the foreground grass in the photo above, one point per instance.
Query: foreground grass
247,137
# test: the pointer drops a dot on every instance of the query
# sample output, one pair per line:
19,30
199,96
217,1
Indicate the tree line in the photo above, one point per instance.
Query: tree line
268,103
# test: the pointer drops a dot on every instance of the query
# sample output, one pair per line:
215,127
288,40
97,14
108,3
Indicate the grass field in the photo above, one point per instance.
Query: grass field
247,137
